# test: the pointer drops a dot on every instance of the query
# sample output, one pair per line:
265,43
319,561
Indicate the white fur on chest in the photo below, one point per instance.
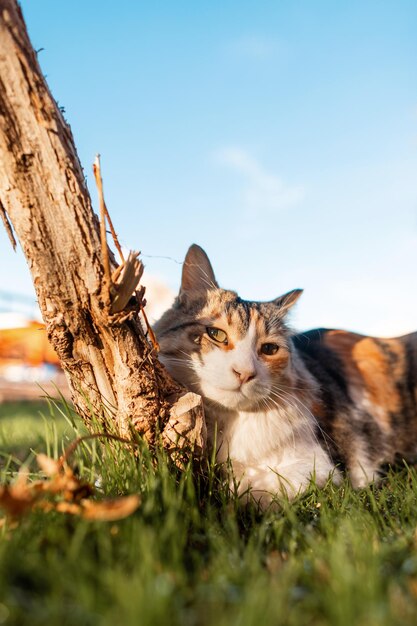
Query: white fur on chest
271,452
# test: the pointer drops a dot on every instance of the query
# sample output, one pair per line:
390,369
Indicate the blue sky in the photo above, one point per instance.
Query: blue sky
281,136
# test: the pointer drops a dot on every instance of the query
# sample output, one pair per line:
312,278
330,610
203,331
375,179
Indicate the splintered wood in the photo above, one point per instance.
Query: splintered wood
125,279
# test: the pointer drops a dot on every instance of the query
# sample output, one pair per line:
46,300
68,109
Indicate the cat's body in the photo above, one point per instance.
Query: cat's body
282,407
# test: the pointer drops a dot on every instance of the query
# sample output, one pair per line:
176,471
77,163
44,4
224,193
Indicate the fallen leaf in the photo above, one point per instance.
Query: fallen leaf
48,465
18,498
63,491
6,523
109,510
63,480
68,507
412,585
14,502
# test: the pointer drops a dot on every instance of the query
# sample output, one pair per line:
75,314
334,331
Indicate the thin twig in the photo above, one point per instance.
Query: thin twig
104,213
74,444
104,248
113,232
149,328
7,226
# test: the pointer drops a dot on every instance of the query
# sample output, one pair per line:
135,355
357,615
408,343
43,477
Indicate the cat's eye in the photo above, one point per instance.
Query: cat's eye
217,334
269,348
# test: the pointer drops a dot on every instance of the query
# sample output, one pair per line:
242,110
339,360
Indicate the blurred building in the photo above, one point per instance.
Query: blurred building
29,367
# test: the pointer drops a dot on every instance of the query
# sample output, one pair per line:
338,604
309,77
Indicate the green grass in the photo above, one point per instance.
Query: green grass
41,425
192,556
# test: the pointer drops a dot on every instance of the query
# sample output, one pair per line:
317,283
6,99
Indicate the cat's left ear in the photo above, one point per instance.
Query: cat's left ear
197,274
288,300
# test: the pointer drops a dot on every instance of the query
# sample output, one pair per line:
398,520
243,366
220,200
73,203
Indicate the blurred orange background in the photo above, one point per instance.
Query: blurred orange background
28,345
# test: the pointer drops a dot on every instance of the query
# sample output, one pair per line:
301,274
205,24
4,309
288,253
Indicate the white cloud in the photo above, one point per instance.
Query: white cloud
263,192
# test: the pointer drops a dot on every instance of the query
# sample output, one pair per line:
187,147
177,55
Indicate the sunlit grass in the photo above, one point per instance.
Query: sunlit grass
191,555
44,425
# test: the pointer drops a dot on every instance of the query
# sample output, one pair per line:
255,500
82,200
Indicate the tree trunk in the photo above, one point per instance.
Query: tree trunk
111,367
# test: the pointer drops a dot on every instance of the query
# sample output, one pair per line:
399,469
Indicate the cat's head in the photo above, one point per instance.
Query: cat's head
229,350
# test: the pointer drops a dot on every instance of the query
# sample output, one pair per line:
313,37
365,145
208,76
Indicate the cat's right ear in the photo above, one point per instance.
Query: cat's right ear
288,300
197,274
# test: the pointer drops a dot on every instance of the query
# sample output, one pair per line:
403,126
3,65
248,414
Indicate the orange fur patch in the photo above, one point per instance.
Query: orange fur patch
378,374
369,371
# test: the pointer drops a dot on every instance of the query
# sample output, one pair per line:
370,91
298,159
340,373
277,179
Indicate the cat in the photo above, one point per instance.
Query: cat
283,408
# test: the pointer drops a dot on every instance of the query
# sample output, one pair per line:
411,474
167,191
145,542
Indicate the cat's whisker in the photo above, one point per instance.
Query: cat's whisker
272,405
326,436
173,359
293,402
303,388
177,363
186,354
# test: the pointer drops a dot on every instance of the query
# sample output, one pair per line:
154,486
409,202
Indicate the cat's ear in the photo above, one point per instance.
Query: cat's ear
197,274
288,300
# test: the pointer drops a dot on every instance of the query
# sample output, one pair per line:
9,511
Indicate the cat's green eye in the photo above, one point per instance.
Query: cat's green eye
217,334
269,348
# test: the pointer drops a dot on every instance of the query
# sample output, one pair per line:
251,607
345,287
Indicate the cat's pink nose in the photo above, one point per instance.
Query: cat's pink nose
245,376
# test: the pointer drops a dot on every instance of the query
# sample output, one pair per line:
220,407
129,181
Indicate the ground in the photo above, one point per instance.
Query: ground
192,555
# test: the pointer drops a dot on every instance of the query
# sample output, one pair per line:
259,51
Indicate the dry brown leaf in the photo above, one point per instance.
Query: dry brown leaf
63,480
109,510
6,522
68,507
17,500
49,466
70,487
64,492
412,585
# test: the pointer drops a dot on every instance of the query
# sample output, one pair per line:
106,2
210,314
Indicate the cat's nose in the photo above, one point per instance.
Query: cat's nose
245,376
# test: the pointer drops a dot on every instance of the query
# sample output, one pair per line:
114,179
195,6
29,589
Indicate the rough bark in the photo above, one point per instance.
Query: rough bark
112,369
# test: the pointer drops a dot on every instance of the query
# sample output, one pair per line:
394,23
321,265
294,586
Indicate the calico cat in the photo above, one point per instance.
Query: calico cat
282,408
